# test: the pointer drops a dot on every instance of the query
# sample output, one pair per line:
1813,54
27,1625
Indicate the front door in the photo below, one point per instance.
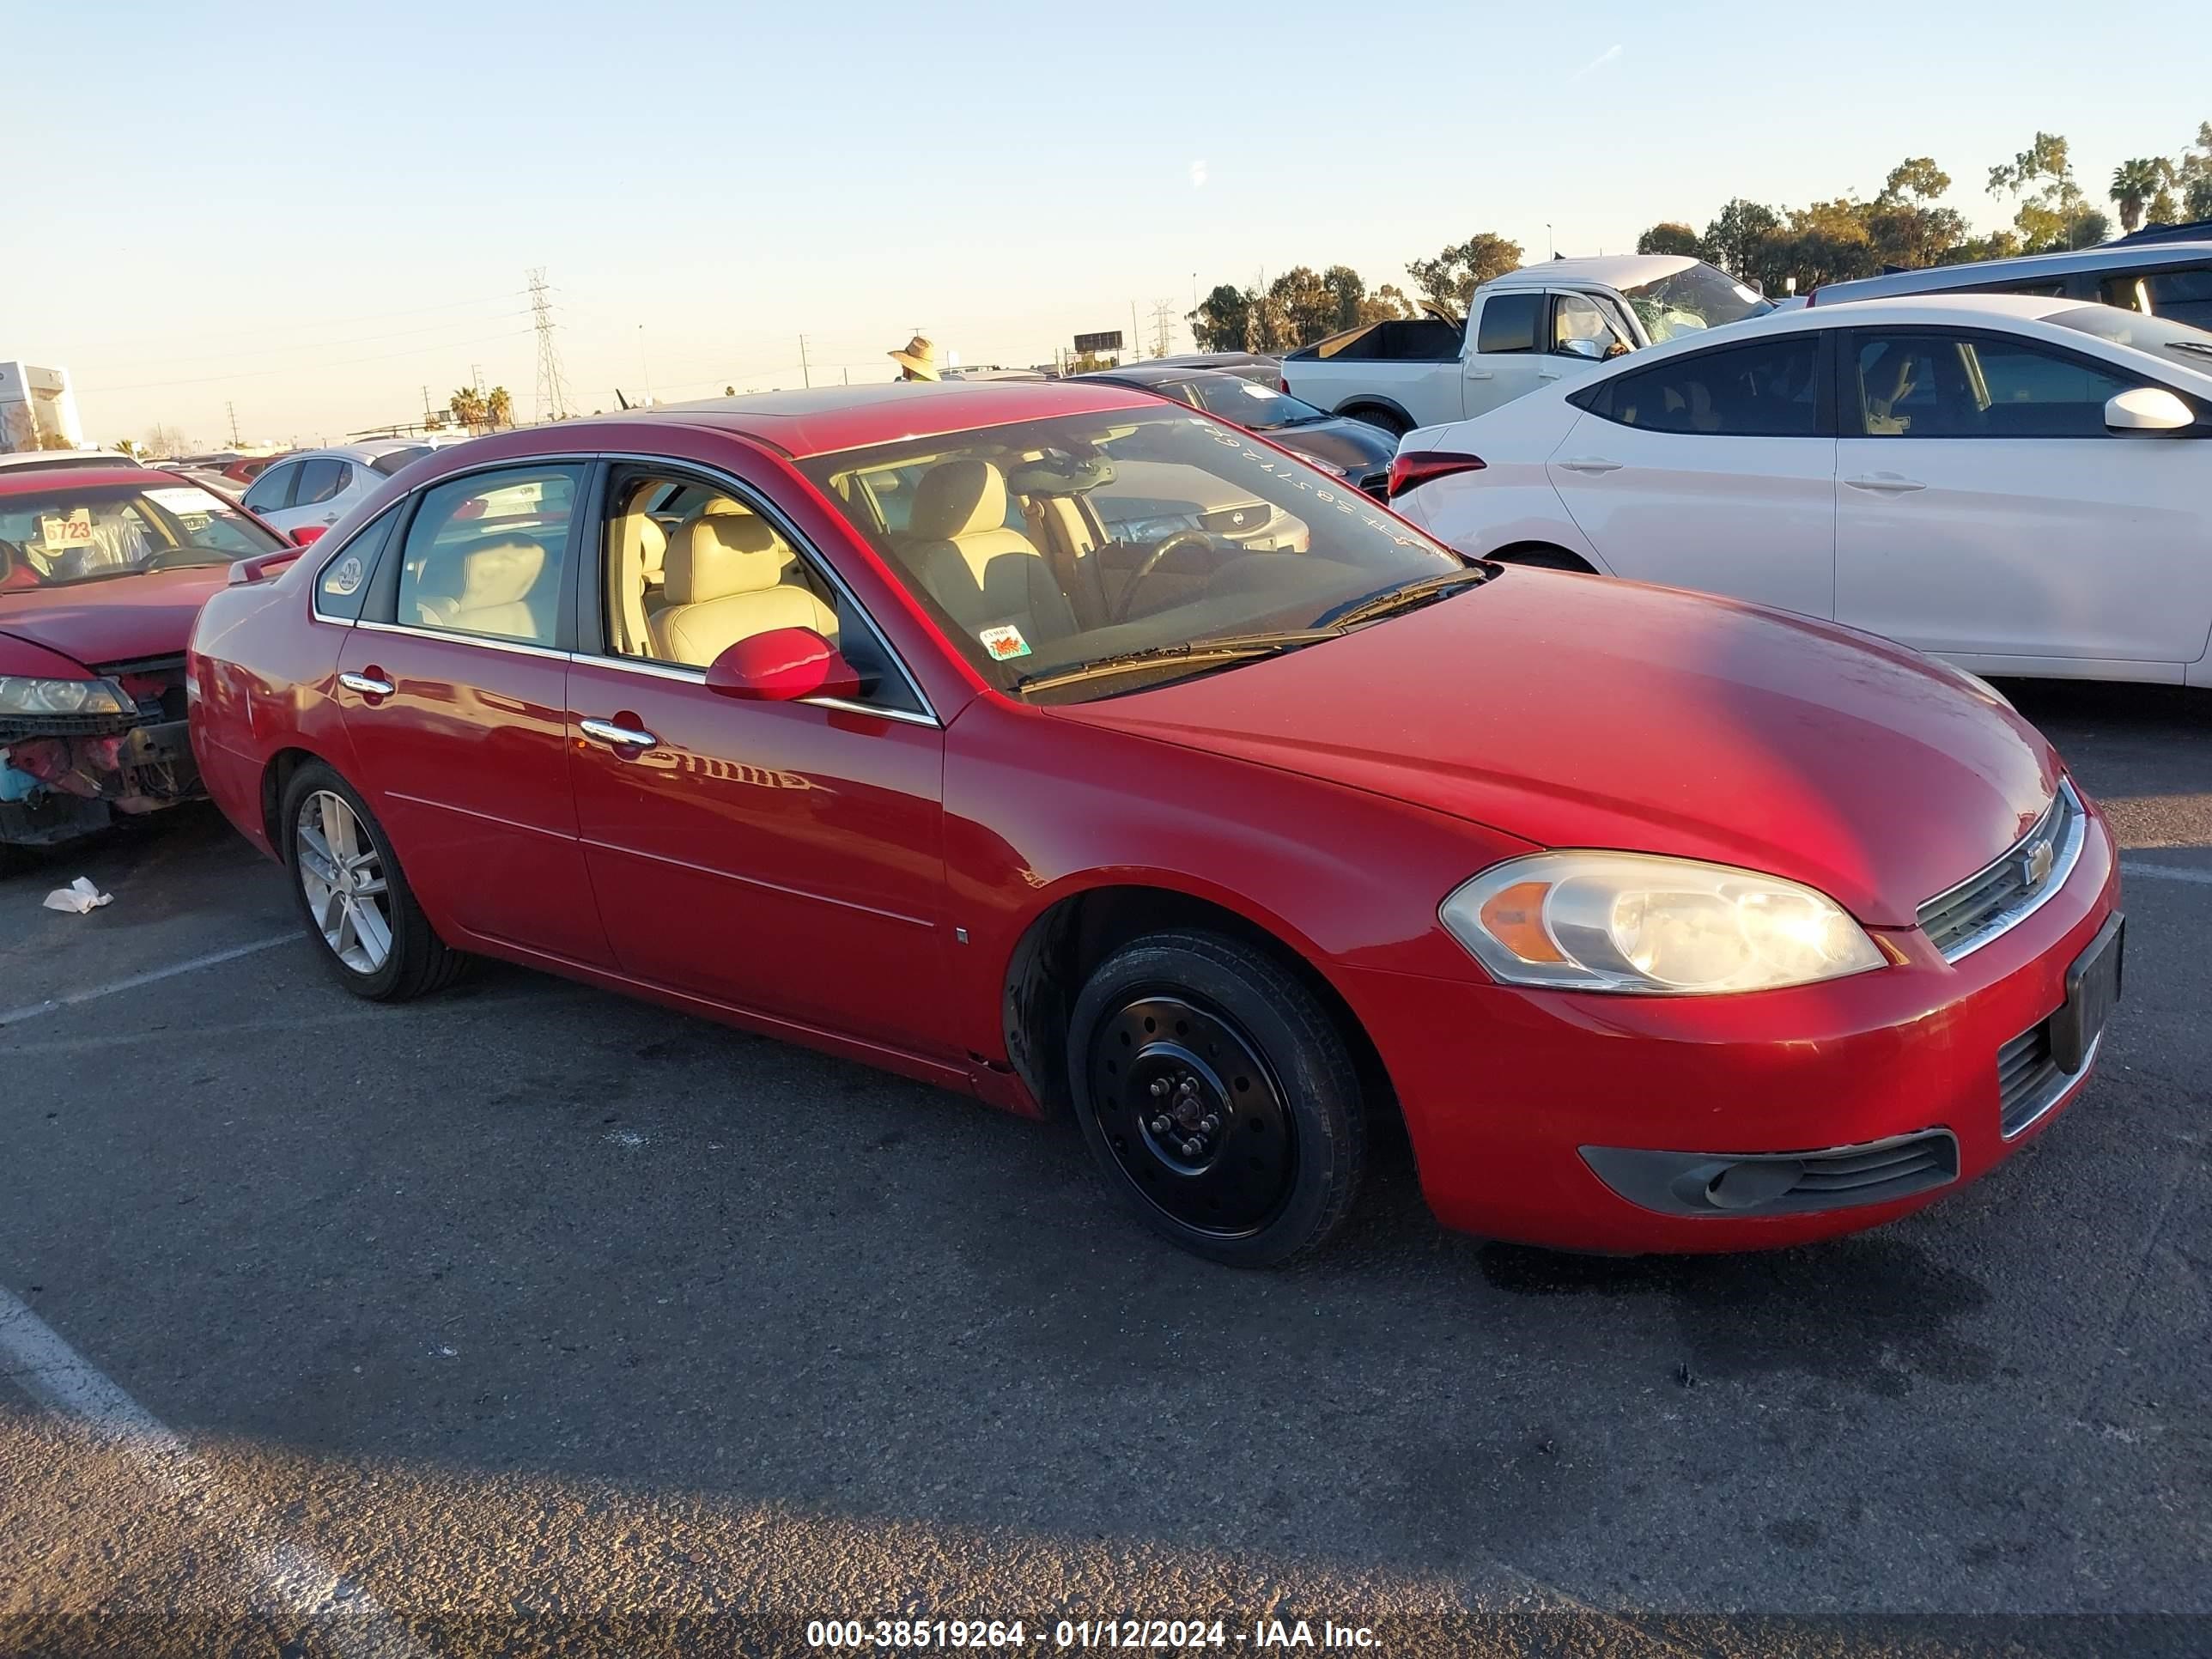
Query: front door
785,858
1984,512
454,696
1712,471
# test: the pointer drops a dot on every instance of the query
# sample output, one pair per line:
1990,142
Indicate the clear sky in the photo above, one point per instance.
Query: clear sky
313,216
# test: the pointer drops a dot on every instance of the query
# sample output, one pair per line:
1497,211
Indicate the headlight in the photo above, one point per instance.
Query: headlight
20,695
1635,922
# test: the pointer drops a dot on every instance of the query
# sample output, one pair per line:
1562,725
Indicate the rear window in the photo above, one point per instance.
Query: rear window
1509,322
399,459
2160,336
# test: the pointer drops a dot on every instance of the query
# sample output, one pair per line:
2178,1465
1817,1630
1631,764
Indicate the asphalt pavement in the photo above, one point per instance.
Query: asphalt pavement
529,1318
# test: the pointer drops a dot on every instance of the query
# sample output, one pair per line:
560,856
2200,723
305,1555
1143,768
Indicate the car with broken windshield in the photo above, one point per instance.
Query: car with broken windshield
871,719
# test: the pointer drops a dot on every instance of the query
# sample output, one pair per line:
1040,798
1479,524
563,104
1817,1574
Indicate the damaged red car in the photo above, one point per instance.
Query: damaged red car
102,570
967,731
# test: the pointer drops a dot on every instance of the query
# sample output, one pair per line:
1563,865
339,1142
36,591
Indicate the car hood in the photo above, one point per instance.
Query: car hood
1354,446
1576,711
121,619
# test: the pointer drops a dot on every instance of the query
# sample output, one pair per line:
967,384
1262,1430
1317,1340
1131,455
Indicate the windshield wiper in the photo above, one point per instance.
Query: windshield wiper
1222,646
1425,591
2191,345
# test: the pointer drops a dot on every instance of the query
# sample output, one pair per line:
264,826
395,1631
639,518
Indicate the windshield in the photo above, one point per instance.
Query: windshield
1245,402
2133,328
1697,298
1043,546
100,532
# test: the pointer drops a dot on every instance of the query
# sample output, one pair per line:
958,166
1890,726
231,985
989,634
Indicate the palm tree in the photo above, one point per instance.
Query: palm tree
468,407
2135,183
499,407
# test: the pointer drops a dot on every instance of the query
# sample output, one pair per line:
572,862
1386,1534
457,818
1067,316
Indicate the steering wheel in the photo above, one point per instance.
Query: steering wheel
1181,538
168,558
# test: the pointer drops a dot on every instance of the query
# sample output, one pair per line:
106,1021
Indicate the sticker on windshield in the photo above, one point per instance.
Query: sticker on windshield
1004,641
183,498
346,578
66,530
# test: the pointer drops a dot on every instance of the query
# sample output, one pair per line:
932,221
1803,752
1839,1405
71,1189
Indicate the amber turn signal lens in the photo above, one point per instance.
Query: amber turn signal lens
1515,917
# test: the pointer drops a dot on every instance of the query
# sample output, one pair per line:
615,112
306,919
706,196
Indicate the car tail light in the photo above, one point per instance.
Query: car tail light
1412,468
308,534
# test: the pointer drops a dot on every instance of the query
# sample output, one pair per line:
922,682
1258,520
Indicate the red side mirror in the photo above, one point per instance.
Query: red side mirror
782,665
307,534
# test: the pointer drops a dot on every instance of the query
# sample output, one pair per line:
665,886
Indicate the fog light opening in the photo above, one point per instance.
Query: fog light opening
1746,1186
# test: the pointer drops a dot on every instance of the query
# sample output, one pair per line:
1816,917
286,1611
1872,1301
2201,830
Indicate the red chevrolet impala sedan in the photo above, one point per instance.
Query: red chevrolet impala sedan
1091,756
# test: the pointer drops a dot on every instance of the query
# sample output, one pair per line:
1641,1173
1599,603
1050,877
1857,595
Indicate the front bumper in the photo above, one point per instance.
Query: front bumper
55,786
1584,1122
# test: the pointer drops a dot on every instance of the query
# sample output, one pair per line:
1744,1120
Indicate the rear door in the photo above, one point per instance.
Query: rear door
454,690
1984,512
1715,470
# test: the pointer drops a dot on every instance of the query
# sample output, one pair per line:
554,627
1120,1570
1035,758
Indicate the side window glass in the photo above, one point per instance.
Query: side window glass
2184,296
1508,322
485,554
1580,329
320,479
272,490
345,583
1949,386
1769,390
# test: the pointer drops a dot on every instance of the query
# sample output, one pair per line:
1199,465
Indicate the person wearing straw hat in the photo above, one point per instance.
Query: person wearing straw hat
918,362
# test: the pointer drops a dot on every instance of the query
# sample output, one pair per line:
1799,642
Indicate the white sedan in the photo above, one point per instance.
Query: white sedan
312,489
2019,485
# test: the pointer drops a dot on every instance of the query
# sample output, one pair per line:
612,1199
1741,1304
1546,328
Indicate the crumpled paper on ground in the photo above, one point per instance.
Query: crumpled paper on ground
79,897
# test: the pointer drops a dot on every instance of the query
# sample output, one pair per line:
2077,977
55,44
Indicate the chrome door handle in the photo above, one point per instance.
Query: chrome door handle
1591,464
617,737
1549,374
1889,483
367,685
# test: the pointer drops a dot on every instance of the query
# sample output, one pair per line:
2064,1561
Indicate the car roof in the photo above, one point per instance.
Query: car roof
2139,256
828,419
1614,269
368,450
31,480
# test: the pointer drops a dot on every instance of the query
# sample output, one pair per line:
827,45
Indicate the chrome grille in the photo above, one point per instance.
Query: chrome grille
1994,899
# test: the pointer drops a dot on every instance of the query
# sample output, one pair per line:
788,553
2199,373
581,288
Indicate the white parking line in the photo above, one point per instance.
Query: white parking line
2129,867
131,982
36,1359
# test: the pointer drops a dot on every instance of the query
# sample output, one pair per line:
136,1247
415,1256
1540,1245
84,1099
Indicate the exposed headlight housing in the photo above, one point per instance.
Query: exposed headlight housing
1639,923
20,694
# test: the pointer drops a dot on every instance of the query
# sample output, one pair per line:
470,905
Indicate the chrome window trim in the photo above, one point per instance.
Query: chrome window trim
487,642
2061,871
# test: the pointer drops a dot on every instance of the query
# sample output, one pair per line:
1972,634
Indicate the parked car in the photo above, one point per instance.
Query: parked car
101,571
1255,365
1667,924
2162,278
311,490
1353,449
1544,323
2017,485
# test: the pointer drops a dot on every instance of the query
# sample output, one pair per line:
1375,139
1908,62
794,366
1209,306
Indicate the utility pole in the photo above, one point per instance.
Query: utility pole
552,389
426,409
805,374
233,409
1135,351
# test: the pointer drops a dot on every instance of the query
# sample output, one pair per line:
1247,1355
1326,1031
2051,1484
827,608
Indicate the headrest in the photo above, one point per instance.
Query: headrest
650,539
715,556
958,498
501,574
722,507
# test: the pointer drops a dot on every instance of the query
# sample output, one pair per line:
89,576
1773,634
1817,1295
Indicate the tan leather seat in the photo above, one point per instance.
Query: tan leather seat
496,583
641,570
985,574
726,584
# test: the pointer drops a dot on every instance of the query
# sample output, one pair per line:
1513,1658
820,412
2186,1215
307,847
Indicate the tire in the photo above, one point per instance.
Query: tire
415,961
1382,419
1543,558
1265,1132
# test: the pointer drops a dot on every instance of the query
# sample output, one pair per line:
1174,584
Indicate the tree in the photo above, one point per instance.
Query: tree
1222,321
2052,214
1349,291
1916,178
1732,240
1669,236
1386,304
2194,176
468,407
499,408
124,447
2136,183
1903,223
1451,279
1307,305
2163,209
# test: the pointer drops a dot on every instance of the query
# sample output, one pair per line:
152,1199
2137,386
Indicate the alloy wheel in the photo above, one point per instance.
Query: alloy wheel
341,873
1191,1114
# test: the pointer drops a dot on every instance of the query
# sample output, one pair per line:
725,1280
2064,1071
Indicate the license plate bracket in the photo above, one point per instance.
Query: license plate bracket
2092,989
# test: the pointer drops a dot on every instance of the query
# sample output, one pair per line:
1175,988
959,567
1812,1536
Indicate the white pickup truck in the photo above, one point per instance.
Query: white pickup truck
1528,327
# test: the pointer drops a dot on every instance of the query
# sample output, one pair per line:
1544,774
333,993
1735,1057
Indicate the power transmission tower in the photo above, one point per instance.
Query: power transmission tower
233,409
1163,327
552,389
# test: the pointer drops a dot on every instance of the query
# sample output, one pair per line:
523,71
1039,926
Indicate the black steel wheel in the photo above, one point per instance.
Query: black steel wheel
1218,1096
